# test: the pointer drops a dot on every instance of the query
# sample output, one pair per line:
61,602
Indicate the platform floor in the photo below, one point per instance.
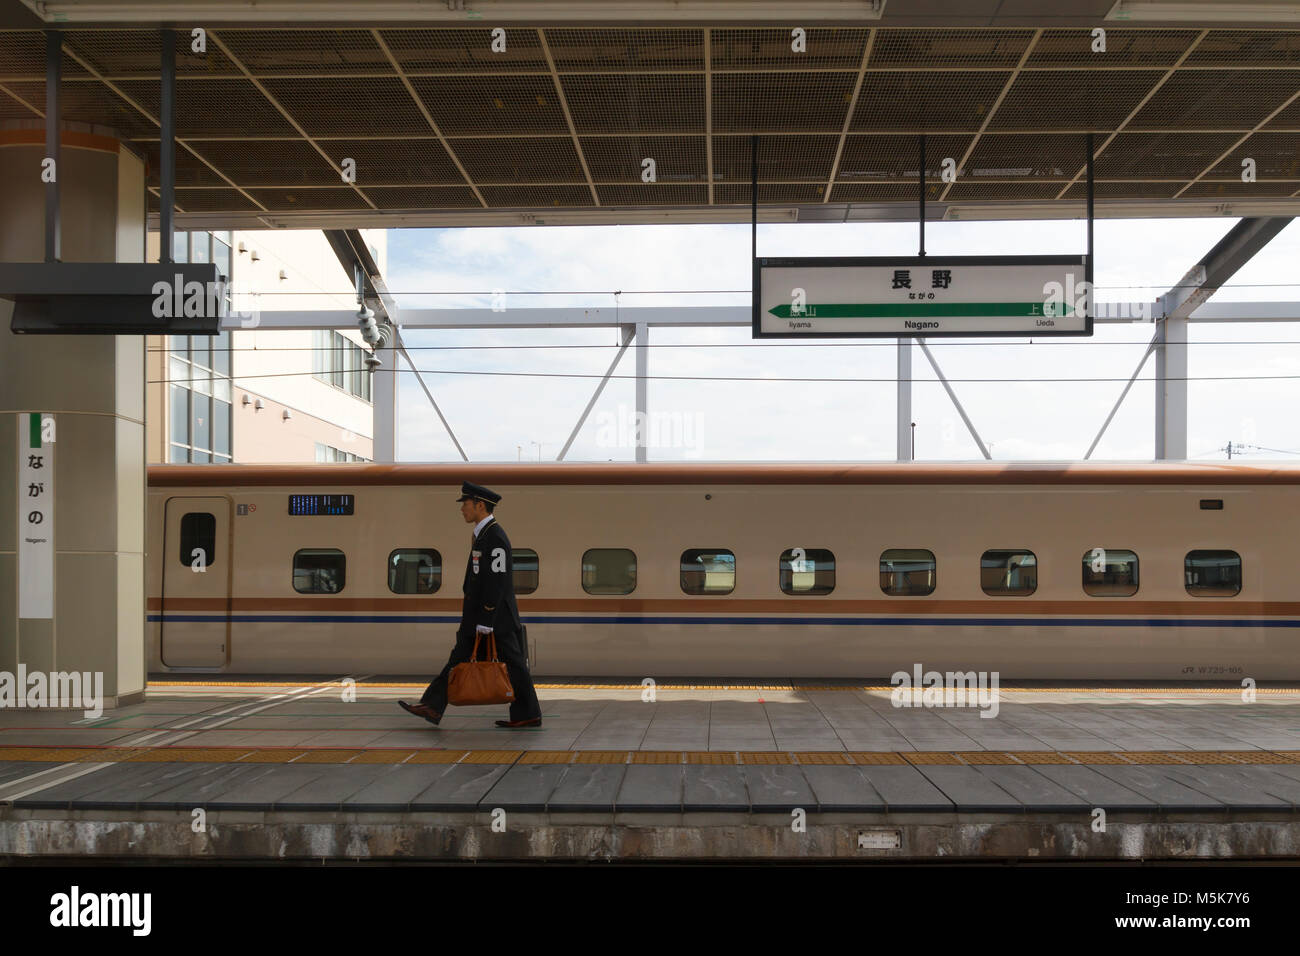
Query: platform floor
1192,761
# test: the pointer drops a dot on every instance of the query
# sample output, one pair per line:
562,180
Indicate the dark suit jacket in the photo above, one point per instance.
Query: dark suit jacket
490,586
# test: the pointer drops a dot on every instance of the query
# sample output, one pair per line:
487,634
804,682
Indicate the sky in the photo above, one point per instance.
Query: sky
509,417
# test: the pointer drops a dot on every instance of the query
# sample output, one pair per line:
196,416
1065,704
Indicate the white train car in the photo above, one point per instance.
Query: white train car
1036,571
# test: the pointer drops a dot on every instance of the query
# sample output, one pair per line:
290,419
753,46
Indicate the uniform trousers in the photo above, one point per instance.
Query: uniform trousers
510,650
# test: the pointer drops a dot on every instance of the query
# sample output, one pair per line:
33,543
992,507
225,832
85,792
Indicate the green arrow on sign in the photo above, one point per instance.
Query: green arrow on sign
908,310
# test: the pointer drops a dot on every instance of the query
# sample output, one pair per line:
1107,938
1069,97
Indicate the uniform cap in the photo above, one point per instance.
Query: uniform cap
470,490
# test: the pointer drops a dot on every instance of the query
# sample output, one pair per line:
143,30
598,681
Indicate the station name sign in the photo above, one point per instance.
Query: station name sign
921,296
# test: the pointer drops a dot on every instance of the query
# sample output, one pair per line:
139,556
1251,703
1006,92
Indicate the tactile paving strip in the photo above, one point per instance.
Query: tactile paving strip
602,756
985,757
927,757
547,756
822,758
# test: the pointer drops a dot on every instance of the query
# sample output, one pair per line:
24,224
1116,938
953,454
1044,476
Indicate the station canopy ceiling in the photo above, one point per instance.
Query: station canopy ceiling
557,128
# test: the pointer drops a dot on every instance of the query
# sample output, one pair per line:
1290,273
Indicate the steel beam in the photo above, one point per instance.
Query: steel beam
955,401
629,333
642,397
1172,312
904,423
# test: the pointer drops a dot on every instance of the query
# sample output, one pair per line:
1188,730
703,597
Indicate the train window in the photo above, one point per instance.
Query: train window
414,571
708,571
907,571
526,571
1008,572
807,571
319,571
608,571
1110,572
1212,573
198,534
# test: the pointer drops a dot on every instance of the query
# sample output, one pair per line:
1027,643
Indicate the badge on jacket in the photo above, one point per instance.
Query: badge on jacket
476,555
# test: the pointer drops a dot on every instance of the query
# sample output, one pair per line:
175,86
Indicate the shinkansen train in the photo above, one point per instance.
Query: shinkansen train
1036,571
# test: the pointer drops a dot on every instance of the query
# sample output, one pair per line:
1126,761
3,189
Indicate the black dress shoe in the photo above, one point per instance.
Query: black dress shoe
421,710
531,722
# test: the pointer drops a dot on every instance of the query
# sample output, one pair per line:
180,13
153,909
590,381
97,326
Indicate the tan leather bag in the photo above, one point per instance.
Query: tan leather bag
480,682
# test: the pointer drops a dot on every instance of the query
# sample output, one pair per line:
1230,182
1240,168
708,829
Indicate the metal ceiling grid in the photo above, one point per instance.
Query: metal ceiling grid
264,163
772,50
895,158
22,55
12,105
1276,156
966,190
1257,49
653,194
26,98
1153,156
89,101
781,102
464,51
1078,192
189,170
207,108
917,102
392,162
948,49
492,105
878,192
1239,190
781,159
1217,99
849,109
349,106
210,200
329,197
1072,99
307,52
423,197
1287,119
626,51
127,54
541,197
1026,156
1125,49
619,159
548,159
735,194
603,103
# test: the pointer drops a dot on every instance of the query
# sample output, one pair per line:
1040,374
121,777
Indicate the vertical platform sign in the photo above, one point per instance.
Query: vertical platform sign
35,515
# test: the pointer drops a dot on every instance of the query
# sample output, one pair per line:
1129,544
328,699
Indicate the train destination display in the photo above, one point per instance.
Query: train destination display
921,296
321,504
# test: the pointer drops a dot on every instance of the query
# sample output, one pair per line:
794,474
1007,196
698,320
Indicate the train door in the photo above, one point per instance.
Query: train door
196,575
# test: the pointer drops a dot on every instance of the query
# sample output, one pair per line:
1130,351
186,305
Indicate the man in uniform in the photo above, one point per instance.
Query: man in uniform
489,609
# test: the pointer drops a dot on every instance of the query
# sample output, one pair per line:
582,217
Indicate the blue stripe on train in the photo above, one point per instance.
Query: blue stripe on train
641,619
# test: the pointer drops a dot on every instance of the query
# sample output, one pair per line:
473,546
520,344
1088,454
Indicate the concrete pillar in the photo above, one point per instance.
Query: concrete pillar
94,387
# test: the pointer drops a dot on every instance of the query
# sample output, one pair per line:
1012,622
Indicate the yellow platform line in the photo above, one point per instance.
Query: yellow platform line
875,688
404,755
